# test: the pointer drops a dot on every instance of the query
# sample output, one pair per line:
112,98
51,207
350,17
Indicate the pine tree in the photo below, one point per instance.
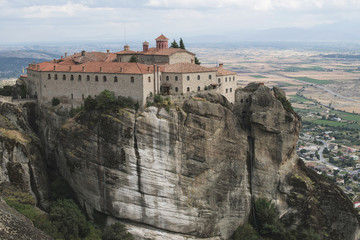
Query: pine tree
174,44
197,61
182,46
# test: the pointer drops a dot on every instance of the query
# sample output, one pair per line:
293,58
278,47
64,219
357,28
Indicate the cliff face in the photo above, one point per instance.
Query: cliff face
193,171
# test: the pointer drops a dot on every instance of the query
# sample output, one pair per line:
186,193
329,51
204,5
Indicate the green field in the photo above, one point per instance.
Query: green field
299,98
296,69
329,123
313,80
347,116
257,76
285,84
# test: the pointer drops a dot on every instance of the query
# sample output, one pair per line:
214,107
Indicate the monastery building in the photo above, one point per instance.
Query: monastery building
157,70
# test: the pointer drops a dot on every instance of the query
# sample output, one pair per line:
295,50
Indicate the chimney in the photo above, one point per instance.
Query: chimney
83,68
192,60
83,53
221,65
66,54
54,67
107,51
148,69
121,69
126,48
100,69
70,68
37,67
145,46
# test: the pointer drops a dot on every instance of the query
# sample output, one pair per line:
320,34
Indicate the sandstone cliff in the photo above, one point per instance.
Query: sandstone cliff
195,169
190,172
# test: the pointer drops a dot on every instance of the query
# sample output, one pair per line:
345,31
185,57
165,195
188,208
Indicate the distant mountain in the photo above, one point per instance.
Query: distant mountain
12,66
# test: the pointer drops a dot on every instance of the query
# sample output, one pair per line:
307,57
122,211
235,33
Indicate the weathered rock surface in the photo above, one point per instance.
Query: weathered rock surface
14,225
188,173
21,158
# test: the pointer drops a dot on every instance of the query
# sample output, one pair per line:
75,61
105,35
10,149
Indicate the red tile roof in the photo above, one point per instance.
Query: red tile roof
185,68
161,37
88,57
95,67
155,51
223,72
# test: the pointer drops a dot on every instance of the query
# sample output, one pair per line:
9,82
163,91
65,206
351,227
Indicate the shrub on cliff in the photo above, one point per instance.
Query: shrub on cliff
116,231
246,232
55,101
106,100
68,219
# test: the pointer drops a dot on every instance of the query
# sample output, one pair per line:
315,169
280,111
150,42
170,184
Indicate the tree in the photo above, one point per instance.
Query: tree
182,46
197,61
105,100
68,219
55,101
133,59
174,44
116,231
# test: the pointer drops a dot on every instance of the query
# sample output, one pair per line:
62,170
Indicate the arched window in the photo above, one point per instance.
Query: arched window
226,79
188,78
71,77
64,77
226,90
219,80
176,78
49,76
188,89
198,77
115,79
209,76
234,78
104,78
149,79
176,89
132,79
55,77
79,78
96,78
199,88
167,78
87,78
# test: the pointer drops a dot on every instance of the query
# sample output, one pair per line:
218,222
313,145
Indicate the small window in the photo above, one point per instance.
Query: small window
149,79
115,79
55,76
209,76
167,78
87,78
82,96
230,89
188,89
198,77
96,78
72,96
234,78
64,77
71,77
104,78
199,88
226,79
188,78
176,89
49,76
247,100
132,79
219,80
79,78
242,100
226,90
176,78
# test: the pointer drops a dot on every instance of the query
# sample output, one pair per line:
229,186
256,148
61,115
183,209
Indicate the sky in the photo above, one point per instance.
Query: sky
126,20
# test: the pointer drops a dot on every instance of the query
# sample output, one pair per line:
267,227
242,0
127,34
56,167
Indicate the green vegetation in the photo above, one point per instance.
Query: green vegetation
266,225
106,100
55,101
116,231
257,76
285,84
182,46
197,61
6,90
296,69
312,80
133,59
174,44
299,98
286,104
159,101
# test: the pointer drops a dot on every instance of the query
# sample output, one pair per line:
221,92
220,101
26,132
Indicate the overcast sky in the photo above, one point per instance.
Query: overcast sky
108,20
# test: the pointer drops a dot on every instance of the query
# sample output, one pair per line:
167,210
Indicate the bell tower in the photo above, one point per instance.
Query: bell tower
162,42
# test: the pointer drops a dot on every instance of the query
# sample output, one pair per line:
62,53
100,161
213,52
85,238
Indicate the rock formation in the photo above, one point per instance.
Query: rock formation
193,171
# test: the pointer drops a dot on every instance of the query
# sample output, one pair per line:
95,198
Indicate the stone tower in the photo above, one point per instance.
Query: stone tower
162,42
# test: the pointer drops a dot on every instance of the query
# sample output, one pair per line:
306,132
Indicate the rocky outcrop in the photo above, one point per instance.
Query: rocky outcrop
187,173
14,225
21,156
